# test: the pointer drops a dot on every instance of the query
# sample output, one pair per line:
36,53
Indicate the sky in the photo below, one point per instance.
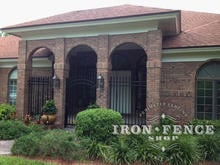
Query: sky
18,11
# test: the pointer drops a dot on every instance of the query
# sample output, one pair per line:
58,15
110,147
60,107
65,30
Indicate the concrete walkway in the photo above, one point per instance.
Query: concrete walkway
5,147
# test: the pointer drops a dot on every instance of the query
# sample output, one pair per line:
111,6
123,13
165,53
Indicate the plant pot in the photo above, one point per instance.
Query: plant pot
48,119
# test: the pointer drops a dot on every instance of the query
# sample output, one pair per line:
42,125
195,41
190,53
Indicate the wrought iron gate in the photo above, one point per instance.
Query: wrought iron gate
80,93
40,89
128,96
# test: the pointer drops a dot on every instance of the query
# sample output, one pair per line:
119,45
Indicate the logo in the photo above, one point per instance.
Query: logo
169,128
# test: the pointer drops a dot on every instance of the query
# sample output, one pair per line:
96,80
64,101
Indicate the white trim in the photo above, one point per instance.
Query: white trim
191,50
41,63
129,28
190,54
8,63
37,63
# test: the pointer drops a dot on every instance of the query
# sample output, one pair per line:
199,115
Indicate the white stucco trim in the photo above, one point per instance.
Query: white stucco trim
190,54
8,63
37,63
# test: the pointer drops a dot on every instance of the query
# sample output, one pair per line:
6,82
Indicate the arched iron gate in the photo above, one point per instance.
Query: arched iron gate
80,93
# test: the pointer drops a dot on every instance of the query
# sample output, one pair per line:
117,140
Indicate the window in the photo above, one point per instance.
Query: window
208,92
12,87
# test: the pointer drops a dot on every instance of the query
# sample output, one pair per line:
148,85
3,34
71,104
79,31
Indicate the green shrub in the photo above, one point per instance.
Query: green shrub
12,129
36,127
97,124
6,111
135,140
120,153
94,150
215,123
28,145
53,143
210,146
61,144
184,151
149,153
49,108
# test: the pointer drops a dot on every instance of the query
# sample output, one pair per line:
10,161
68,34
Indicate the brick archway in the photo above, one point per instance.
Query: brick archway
80,82
40,85
151,42
128,82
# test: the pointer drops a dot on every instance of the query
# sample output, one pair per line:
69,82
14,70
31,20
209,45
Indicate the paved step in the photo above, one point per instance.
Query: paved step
5,147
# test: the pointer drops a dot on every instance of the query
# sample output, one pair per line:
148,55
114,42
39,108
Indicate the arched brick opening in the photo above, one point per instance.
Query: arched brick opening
128,82
81,81
40,85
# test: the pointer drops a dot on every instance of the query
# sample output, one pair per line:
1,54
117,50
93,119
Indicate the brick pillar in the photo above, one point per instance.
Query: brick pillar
59,71
24,69
102,96
154,53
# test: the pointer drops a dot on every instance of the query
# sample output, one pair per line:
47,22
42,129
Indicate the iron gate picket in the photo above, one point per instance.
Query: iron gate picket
80,93
128,97
40,89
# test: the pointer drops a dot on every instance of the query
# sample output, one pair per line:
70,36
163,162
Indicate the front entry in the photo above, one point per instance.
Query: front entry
81,84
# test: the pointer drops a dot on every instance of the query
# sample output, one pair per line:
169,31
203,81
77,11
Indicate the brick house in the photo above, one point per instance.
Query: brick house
129,58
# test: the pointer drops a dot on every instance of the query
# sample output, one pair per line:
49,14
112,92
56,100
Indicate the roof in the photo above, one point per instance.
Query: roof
9,47
95,14
198,30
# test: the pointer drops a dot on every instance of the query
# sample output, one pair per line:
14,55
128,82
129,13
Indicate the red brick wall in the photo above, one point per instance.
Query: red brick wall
178,88
4,72
166,82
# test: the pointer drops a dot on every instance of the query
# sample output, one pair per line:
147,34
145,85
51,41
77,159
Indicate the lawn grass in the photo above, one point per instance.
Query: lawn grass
12,160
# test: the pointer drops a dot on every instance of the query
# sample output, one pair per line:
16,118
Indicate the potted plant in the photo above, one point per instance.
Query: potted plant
49,112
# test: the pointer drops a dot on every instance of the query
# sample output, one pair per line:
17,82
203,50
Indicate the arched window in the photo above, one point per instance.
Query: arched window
12,87
208,91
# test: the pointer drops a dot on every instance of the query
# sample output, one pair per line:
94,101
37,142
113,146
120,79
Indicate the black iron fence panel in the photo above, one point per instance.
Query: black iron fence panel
80,93
40,89
128,97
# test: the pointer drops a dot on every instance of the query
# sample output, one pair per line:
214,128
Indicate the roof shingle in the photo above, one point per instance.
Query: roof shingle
94,14
198,29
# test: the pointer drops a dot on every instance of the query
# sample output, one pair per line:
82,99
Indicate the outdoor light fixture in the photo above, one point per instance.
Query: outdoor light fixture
100,82
56,81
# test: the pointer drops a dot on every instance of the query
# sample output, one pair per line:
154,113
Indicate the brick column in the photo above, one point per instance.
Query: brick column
154,53
59,71
102,96
24,69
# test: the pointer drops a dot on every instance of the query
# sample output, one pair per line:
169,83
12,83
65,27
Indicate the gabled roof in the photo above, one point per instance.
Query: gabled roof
198,30
94,14
9,47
